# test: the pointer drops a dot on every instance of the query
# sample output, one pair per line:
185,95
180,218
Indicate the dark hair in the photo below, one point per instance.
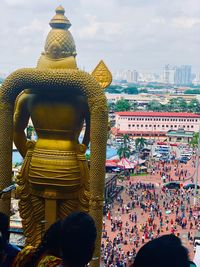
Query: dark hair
50,244
4,225
2,249
78,239
164,251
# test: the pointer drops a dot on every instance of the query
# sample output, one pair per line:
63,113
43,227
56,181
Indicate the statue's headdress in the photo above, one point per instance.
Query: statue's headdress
59,43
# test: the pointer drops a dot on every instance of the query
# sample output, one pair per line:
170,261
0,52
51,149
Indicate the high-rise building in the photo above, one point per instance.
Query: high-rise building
132,76
183,75
196,80
169,74
129,76
135,76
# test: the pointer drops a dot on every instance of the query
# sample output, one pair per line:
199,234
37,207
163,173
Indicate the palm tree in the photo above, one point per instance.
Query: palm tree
140,143
124,150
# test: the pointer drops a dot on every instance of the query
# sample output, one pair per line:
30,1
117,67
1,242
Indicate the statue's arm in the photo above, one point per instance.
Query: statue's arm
21,118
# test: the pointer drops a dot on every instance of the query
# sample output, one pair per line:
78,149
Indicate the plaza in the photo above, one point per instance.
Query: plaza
145,210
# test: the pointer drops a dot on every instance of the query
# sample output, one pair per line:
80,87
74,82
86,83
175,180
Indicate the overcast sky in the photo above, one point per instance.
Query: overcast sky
128,34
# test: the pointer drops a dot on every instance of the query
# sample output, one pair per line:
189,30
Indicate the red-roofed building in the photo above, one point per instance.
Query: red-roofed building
144,123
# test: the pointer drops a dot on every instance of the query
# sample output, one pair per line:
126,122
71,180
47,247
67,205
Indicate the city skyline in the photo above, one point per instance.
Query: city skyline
181,75
141,35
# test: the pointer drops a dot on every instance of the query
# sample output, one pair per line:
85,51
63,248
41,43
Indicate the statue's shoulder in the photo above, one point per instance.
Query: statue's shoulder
24,97
23,101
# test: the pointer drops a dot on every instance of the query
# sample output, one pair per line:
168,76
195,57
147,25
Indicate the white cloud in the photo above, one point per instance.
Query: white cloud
99,30
138,34
186,22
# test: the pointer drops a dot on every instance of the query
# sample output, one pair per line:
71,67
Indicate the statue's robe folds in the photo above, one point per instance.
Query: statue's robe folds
62,176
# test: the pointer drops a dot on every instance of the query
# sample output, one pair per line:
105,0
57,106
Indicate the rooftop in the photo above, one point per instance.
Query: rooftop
179,133
158,114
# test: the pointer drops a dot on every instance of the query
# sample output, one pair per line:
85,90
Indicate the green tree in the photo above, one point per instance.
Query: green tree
192,92
154,105
122,105
140,143
124,150
177,104
114,89
29,131
131,90
194,141
87,156
194,106
134,106
143,91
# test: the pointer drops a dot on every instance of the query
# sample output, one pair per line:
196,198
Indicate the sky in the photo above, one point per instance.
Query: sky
127,34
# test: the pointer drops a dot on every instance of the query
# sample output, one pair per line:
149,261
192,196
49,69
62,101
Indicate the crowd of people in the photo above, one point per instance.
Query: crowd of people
143,213
143,227
71,243
171,170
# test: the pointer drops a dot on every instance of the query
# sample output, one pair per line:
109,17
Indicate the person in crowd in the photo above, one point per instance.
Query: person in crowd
9,251
78,239
46,254
67,243
164,251
2,251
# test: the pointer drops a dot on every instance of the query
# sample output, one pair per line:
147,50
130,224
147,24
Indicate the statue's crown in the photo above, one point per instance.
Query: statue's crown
60,21
59,43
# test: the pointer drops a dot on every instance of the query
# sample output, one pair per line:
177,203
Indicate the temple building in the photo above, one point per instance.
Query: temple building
154,123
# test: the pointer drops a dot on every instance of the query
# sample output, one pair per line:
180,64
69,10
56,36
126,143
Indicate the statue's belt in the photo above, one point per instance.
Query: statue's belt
55,194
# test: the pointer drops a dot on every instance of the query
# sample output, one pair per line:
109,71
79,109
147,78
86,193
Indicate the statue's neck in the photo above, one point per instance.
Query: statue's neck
64,63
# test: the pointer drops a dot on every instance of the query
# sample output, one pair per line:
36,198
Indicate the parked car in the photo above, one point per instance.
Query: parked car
186,154
185,157
192,186
173,144
161,143
172,185
150,141
183,160
172,157
165,159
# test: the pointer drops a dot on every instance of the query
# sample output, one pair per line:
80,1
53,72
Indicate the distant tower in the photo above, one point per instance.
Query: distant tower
129,76
169,74
183,75
135,76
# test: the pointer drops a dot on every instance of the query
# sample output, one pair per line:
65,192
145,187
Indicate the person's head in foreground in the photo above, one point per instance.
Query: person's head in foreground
165,251
2,251
77,246
7,251
4,226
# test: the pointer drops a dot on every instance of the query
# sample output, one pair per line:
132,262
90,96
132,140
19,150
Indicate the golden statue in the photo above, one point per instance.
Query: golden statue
60,100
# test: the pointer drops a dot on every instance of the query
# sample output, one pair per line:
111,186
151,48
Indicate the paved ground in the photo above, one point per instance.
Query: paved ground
142,217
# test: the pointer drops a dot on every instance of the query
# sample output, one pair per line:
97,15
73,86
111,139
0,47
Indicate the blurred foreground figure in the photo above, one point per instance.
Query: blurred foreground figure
163,251
68,243
7,251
